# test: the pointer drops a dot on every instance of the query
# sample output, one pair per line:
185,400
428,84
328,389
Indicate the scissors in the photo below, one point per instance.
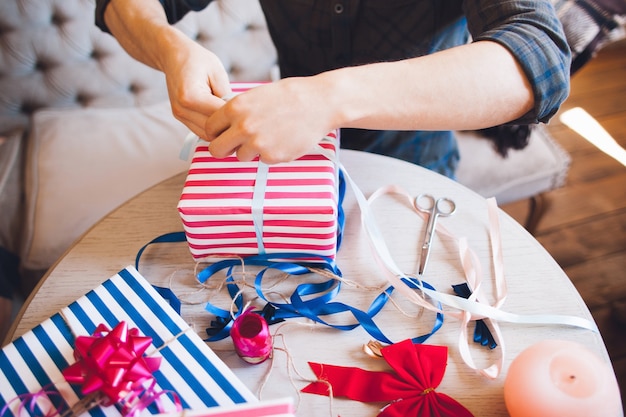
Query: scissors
443,207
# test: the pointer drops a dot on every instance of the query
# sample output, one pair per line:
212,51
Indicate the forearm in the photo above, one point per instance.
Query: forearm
141,27
195,77
469,87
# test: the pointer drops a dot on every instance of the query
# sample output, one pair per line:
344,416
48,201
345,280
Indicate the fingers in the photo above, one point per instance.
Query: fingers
224,146
247,148
260,122
246,153
196,81
220,85
228,134
194,112
217,123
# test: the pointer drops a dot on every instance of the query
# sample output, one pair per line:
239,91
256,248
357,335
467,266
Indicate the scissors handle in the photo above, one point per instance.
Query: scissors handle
441,206
445,207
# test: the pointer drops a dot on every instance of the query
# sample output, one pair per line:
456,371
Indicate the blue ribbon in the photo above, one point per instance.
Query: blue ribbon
341,215
309,300
166,293
482,334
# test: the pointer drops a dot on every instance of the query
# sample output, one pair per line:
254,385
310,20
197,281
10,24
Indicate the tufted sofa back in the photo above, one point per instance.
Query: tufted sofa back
70,96
53,55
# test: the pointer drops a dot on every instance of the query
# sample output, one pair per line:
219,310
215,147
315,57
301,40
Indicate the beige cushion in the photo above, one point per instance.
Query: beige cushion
84,163
53,55
541,166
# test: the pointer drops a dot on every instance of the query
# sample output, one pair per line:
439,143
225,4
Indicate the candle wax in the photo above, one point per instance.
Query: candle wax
556,378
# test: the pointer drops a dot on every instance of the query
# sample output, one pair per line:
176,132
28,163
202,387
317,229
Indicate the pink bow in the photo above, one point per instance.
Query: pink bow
112,362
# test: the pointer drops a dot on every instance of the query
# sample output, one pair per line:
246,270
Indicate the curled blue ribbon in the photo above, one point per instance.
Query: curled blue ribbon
166,293
309,300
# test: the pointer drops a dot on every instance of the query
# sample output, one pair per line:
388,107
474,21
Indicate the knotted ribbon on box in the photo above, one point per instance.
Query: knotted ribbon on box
36,361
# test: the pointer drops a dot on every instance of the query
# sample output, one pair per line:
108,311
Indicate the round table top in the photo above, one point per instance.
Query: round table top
535,284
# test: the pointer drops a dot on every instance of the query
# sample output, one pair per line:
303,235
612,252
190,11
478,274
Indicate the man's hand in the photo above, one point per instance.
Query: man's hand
196,81
278,122
196,78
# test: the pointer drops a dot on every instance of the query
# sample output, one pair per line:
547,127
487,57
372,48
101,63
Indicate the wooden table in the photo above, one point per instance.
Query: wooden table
536,284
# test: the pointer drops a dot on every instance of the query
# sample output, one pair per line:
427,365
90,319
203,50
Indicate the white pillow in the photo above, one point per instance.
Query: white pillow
83,163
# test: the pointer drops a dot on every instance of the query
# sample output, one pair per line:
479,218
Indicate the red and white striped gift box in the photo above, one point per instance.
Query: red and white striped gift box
296,212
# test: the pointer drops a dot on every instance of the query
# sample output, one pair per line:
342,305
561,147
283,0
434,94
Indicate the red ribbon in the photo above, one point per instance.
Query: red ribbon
112,362
409,390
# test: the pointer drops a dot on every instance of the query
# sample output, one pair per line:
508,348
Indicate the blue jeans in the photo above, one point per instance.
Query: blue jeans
436,151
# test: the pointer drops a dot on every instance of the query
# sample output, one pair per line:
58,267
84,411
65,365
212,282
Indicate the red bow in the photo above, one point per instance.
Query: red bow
112,362
410,390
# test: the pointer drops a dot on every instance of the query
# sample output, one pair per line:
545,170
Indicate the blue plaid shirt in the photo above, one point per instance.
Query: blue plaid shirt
312,36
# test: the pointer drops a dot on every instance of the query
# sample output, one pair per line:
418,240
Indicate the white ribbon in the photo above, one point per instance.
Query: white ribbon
473,308
258,198
189,145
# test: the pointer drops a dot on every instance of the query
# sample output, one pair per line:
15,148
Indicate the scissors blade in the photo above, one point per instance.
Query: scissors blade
423,258
428,239
440,207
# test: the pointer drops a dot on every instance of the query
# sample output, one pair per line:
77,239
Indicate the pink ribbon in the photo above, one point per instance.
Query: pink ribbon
251,337
28,403
473,276
111,366
112,362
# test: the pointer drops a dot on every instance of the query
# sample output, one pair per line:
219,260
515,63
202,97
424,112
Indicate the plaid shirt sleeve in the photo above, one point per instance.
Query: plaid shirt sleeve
531,30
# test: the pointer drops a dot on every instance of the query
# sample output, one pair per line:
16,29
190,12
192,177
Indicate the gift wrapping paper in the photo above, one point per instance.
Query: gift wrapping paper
188,366
270,408
229,208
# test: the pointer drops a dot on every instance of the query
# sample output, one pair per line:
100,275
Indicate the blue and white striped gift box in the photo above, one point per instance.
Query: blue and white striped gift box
189,367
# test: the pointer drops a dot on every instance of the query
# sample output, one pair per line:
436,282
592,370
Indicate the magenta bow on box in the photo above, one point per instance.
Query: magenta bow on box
111,363
409,389
112,370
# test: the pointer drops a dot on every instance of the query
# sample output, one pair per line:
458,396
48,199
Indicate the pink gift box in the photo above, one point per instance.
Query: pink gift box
270,408
233,208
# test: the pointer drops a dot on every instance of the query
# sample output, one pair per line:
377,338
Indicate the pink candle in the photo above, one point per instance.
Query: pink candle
556,378
251,337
